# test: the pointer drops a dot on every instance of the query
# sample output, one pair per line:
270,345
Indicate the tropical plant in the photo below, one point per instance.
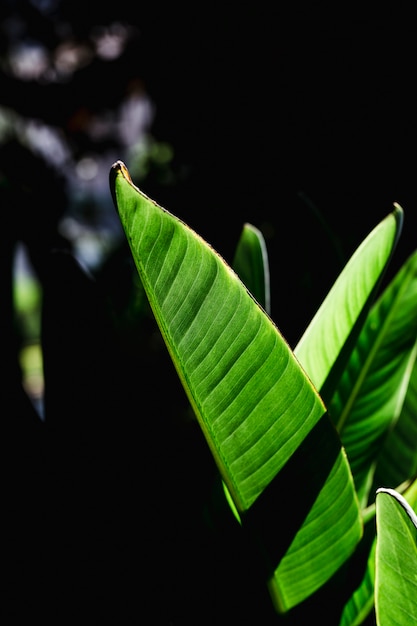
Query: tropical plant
304,438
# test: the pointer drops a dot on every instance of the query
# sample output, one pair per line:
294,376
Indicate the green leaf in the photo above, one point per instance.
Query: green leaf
361,603
238,372
328,340
251,264
396,560
371,391
319,548
262,418
397,459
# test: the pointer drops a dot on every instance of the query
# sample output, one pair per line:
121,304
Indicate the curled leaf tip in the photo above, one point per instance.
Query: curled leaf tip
406,506
119,166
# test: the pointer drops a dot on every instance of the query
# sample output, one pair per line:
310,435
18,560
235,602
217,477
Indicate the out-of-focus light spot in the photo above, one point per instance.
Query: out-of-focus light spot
87,168
136,115
46,6
70,57
27,298
162,152
29,61
110,41
47,141
31,363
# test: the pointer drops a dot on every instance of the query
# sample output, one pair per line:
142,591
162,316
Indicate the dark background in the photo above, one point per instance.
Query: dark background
269,112
299,121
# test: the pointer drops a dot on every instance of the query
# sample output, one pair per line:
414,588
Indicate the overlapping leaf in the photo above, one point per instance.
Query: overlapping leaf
251,264
396,560
361,604
263,420
371,392
328,340
397,459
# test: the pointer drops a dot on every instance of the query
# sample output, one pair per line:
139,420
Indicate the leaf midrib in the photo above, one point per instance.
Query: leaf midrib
371,354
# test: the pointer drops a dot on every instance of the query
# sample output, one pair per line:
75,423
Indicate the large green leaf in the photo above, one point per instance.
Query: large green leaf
251,264
263,420
238,372
396,560
328,340
370,394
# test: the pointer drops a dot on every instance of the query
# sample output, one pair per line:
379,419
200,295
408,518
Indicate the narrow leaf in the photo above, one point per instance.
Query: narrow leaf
251,264
360,605
327,342
319,548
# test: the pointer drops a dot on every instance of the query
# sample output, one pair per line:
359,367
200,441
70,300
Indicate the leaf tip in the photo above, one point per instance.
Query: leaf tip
399,214
397,496
117,168
120,167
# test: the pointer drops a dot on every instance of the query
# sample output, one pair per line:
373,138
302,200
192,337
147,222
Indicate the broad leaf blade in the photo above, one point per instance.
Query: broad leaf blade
396,560
251,264
253,402
262,418
326,344
370,394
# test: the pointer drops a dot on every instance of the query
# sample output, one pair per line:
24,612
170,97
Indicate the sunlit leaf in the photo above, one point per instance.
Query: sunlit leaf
370,395
396,560
397,459
361,603
262,418
317,543
328,340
